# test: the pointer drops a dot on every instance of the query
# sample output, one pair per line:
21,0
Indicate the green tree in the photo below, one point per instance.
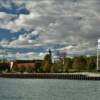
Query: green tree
57,67
38,66
91,63
67,65
79,63
4,66
29,69
15,69
47,63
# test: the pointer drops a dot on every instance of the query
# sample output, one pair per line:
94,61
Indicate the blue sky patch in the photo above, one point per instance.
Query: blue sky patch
14,9
8,35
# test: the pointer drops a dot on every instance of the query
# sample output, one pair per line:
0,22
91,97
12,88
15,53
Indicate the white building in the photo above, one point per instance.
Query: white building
98,55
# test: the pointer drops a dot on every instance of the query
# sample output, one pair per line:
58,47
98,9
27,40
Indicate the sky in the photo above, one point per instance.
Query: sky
29,27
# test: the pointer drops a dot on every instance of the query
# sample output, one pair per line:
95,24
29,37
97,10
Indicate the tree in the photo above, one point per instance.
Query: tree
57,67
47,63
29,69
91,63
38,66
67,65
4,66
79,63
46,67
62,56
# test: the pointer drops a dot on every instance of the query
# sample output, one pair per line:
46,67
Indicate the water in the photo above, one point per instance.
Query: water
41,89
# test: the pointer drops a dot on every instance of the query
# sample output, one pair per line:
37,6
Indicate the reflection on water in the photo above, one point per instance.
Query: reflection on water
44,89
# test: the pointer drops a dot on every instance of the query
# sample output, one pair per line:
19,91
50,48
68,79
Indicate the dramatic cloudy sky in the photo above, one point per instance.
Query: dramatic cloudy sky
29,27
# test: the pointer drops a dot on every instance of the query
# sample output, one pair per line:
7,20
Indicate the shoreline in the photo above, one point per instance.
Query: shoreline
64,76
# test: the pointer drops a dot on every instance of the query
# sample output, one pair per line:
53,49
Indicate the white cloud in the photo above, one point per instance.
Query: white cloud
68,22
25,56
6,21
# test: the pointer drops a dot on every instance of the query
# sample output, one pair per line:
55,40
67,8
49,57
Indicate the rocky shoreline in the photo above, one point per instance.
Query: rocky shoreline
70,76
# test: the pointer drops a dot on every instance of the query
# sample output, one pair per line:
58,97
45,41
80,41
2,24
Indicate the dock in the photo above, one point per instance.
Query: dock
64,76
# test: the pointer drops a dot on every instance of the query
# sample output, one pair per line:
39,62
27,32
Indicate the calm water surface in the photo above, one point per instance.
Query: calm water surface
41,89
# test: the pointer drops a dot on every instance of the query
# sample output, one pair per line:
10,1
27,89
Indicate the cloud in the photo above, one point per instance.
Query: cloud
25,56
6,21
66,22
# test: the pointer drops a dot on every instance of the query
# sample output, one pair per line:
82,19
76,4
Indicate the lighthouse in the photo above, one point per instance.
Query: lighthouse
98,55
50,54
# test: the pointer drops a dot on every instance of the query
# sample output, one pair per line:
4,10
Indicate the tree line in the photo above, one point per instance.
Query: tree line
76,64
62,65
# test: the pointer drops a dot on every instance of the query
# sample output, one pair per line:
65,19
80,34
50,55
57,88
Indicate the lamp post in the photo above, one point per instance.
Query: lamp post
98,55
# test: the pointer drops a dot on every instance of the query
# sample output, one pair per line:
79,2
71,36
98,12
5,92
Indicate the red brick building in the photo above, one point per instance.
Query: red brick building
34,65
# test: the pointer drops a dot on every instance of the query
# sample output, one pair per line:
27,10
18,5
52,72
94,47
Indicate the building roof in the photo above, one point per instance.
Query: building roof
28,61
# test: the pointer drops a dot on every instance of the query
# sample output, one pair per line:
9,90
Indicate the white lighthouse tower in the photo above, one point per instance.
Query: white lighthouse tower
98,55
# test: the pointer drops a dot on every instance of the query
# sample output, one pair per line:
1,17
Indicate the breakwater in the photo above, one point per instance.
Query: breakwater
50,76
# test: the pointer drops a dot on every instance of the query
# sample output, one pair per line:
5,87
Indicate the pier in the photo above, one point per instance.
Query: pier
51,76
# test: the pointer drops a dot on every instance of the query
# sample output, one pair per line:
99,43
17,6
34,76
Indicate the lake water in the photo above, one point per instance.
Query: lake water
44,89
